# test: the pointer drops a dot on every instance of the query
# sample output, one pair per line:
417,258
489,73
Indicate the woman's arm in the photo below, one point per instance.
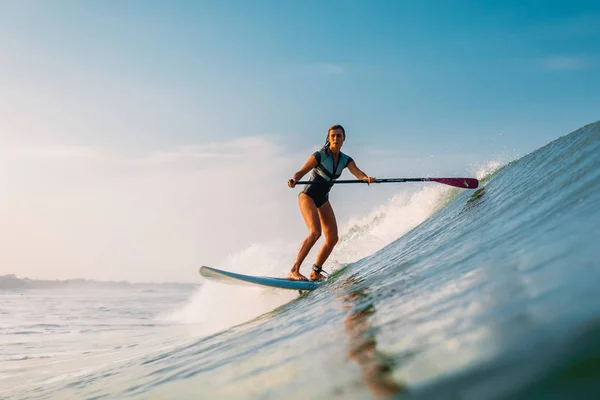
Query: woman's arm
310,164
358,173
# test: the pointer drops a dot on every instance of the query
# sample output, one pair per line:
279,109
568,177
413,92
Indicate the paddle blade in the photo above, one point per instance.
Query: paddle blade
463,183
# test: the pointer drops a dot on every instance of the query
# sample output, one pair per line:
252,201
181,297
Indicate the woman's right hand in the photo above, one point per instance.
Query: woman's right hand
291,183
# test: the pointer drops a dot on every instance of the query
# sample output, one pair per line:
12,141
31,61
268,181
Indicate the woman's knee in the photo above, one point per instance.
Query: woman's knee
332,239
314,235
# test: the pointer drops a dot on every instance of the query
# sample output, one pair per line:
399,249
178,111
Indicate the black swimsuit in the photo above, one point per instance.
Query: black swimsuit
325,171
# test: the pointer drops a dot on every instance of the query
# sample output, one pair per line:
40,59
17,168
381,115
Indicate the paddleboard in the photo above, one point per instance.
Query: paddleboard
233,278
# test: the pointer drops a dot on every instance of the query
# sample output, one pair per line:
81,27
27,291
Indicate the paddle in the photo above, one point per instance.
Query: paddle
465,183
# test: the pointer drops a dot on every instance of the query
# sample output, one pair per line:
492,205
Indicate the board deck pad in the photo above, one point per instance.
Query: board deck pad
233,278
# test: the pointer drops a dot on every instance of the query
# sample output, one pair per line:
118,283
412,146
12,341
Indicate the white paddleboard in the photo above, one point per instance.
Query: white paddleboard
240,279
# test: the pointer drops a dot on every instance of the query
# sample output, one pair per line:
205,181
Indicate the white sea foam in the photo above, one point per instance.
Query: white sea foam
215,307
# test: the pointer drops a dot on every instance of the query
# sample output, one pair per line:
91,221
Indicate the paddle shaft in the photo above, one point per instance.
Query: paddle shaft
465,183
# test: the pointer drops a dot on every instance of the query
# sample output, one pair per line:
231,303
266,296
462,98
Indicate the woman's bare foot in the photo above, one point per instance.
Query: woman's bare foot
296,276
316,277
316,274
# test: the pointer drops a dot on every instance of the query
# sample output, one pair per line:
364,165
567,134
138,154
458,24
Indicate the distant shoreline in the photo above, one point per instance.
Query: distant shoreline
11,281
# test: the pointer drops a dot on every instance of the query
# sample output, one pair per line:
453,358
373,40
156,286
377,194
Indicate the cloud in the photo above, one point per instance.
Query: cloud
185,154
237,148
565,63
332,69
50,152
214,152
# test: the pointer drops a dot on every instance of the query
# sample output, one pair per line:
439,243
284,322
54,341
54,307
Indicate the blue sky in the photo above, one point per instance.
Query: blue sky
108,95
413,74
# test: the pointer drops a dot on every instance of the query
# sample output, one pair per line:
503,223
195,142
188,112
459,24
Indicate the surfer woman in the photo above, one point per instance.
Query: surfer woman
326,164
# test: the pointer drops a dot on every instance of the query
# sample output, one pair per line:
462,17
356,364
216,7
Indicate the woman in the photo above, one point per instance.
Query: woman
326,164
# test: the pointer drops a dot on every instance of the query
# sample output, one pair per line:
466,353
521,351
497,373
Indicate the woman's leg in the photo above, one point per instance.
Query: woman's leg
329,224
311,217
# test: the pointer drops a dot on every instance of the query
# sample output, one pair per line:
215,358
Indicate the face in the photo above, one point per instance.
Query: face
336,138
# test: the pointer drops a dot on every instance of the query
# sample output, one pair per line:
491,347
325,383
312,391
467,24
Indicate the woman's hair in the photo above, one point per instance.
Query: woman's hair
332,128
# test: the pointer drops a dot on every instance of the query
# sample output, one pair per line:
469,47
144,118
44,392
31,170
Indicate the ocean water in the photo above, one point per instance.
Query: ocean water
442,293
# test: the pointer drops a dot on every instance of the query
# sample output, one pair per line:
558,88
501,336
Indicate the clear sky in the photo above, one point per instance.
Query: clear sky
132,126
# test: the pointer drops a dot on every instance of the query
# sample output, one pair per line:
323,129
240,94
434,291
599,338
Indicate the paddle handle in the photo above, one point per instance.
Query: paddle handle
465,183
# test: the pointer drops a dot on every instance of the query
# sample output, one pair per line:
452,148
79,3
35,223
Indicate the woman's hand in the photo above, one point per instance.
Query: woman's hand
354,170
291,183
369,179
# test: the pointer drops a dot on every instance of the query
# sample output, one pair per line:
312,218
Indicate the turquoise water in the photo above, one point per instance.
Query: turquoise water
496,295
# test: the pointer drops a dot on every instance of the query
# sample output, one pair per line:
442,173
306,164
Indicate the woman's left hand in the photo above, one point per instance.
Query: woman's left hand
369,179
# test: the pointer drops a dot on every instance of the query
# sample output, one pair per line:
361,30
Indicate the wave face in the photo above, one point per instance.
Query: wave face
493,296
